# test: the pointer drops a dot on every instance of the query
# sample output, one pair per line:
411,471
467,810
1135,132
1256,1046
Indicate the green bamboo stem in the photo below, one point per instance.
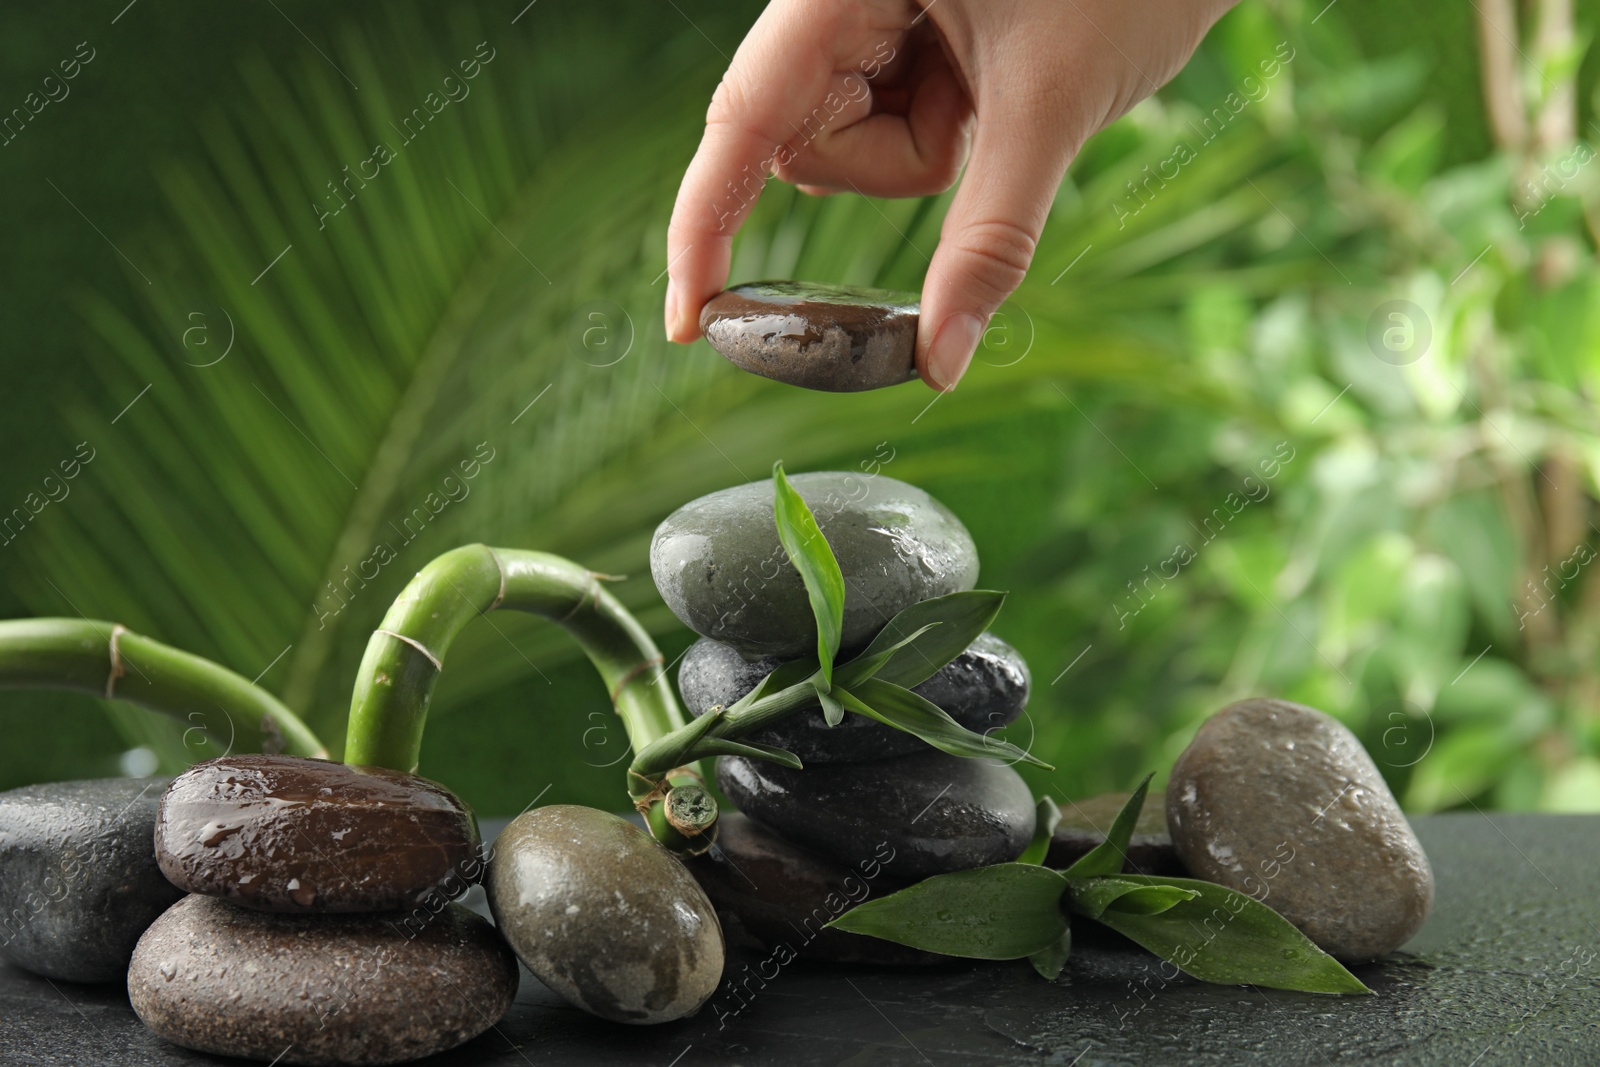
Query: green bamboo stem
406,654
108,660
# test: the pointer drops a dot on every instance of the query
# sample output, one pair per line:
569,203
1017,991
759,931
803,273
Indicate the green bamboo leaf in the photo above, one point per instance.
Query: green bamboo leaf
1109,855
869,663
1093,897
1226,937
721,746
1048,818
918,653
904,710
1004,912
811,555
1049,960
671,751
832,710
795,672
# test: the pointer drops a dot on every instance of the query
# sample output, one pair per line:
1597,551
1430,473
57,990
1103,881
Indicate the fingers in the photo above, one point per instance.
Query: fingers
918,153
988,238
785,65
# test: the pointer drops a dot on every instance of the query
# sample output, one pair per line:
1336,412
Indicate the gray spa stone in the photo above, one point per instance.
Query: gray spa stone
984,688
319,989
719,566
605,916
78,876
835,338
1281,802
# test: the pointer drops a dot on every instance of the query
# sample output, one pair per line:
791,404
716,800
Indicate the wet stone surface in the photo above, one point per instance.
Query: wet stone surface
354,989
719,566
984,688
603,915
1084,823
78,876
772,894
838,339
916,815
290,834
1281,801
1502,974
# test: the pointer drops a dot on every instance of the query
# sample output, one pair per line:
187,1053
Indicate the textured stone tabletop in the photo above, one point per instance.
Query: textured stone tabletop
1505,972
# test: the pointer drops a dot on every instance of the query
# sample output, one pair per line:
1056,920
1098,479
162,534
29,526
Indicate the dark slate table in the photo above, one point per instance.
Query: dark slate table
1504,973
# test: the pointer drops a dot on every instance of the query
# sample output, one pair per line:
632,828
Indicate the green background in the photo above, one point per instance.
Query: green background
1379,578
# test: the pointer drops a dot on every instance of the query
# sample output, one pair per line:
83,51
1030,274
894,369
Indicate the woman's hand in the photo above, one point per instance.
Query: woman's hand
889,98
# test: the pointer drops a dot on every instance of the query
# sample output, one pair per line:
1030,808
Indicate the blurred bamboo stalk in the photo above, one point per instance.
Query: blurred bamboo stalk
1552,512
1502,88
1556,124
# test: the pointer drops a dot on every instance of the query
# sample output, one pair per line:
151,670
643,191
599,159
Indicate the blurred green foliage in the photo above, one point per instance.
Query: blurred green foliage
1198,445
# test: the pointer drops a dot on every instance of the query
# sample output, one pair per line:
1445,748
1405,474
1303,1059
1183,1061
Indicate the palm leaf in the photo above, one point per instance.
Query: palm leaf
435,314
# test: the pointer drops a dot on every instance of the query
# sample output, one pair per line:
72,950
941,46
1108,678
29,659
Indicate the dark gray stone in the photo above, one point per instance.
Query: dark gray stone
319,989
917,815
772,894
78,876
719,566
1084,824
839,339
1281,802
604,915
984,688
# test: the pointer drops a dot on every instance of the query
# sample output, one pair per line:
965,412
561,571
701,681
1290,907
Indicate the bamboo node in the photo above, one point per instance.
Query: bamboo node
118,669
500,597
634,672
438,665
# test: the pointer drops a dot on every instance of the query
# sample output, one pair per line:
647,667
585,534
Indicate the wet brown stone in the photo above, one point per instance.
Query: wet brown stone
319,989
835,338
290,834
604,915
772,894
1281,802
1084,823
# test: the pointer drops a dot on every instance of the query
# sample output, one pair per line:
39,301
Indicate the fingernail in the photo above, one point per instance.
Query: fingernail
952,349
670,309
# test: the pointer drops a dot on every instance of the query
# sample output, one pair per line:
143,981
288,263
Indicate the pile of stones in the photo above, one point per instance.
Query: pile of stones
319,925
874,808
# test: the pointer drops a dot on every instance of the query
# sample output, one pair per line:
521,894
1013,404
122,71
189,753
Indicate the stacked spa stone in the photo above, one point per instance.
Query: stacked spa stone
874,808
319,927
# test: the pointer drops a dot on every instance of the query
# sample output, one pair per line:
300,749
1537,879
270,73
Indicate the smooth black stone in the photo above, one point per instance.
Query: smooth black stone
835,338
719,566
1084,824
319,989
916,815
773,895
983,689
78,876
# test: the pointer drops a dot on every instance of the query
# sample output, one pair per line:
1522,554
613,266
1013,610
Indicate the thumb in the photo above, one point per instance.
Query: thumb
987,241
